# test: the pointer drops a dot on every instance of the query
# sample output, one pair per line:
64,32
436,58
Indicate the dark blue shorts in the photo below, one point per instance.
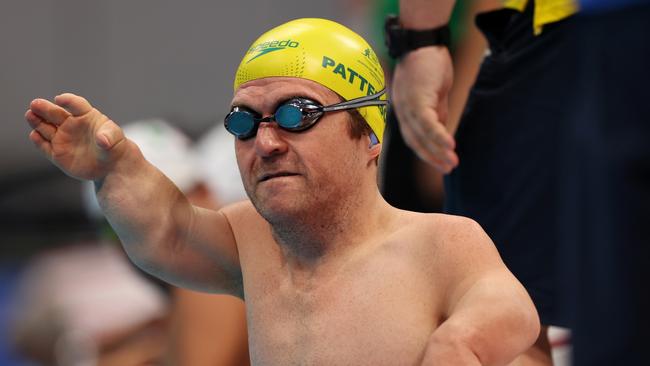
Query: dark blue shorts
604,213
507,179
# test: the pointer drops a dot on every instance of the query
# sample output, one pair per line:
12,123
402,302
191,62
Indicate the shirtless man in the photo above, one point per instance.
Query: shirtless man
331,274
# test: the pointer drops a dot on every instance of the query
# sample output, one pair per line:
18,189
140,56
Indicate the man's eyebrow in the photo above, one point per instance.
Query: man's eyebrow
299,96
242,105
279,102
313,97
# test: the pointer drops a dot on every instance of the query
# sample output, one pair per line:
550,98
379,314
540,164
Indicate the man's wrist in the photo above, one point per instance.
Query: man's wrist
401,40
425,14
126,161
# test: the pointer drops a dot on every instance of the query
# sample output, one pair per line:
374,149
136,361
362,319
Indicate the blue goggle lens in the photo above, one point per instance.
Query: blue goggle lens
288,116
298,114
240,123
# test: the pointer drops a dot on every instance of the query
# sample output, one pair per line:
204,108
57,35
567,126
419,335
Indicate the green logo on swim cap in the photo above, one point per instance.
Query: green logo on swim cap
371,55
271,46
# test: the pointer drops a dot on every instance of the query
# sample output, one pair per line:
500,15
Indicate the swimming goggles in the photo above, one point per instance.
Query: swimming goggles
294,115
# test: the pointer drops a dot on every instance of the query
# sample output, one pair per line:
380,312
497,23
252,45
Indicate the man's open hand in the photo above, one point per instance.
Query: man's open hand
76,137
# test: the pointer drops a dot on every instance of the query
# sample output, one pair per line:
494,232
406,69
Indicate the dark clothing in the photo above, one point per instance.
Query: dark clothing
507,145
399,173
605,180
554,154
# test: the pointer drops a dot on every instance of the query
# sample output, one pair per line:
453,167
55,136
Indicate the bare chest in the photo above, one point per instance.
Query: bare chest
380,315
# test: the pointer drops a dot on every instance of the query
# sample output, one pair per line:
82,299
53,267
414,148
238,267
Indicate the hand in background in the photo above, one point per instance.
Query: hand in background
420,93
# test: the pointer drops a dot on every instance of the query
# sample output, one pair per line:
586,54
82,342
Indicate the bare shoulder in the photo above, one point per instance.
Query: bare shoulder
452,248
446,232
238,210
245,222
443,223
242,216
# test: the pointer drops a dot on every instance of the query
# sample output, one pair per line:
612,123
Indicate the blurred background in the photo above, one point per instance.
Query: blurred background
133,60
137,60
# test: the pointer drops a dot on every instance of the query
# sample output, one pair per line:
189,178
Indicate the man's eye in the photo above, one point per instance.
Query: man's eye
299,101
246,109
292,101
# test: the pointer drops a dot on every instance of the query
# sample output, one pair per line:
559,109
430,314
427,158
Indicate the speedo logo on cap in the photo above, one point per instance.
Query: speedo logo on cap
271,46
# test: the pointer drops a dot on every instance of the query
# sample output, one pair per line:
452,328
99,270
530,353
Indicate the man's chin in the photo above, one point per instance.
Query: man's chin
279,207
282,189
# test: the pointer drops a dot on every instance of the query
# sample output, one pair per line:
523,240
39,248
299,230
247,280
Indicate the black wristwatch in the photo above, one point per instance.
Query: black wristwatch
400,41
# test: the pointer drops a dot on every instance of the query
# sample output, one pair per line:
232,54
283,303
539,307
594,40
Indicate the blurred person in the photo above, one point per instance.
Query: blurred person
84,304
503,160
10,275
604,174
550,157
411,183
330,272
407,181
204,329
210,329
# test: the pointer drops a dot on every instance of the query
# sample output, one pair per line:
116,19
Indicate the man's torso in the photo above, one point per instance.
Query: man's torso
379,307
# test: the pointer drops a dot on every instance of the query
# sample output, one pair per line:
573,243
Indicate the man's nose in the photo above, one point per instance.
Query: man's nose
268,141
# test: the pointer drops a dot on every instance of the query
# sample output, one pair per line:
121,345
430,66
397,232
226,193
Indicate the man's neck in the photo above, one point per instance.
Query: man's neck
313,239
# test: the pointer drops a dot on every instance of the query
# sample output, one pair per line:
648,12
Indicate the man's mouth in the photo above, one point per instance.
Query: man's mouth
268,176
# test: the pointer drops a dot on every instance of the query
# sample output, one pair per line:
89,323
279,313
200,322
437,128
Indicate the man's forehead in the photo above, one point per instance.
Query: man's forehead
281,87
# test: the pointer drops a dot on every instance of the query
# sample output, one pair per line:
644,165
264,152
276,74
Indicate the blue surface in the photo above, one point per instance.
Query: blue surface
8,280
608,5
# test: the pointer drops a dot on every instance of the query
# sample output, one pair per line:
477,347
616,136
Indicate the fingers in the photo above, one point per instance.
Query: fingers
41,143
45,129
443,162
433,129
48,111
428,138
109,135
420,89
76,105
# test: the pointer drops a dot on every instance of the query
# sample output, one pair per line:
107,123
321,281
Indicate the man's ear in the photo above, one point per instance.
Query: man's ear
374,149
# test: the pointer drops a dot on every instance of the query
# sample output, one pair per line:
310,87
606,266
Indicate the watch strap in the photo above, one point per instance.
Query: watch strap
401,41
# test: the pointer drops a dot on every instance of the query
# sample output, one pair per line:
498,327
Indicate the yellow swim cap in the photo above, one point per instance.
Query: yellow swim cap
322,51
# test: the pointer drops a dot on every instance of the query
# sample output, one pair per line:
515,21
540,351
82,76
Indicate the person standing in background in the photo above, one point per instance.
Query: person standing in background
503,161
604,170
551,157
407,181
210,329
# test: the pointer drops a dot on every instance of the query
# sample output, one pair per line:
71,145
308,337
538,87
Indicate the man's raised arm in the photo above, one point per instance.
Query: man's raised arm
160,230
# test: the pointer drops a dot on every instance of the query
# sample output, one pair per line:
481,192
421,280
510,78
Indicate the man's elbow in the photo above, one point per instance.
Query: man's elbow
496,342
531,326
519,330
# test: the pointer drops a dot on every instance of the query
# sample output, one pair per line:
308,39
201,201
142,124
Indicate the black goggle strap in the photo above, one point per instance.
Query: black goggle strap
368,100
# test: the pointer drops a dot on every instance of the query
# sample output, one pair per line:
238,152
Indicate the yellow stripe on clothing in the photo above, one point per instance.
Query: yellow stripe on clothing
546,11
